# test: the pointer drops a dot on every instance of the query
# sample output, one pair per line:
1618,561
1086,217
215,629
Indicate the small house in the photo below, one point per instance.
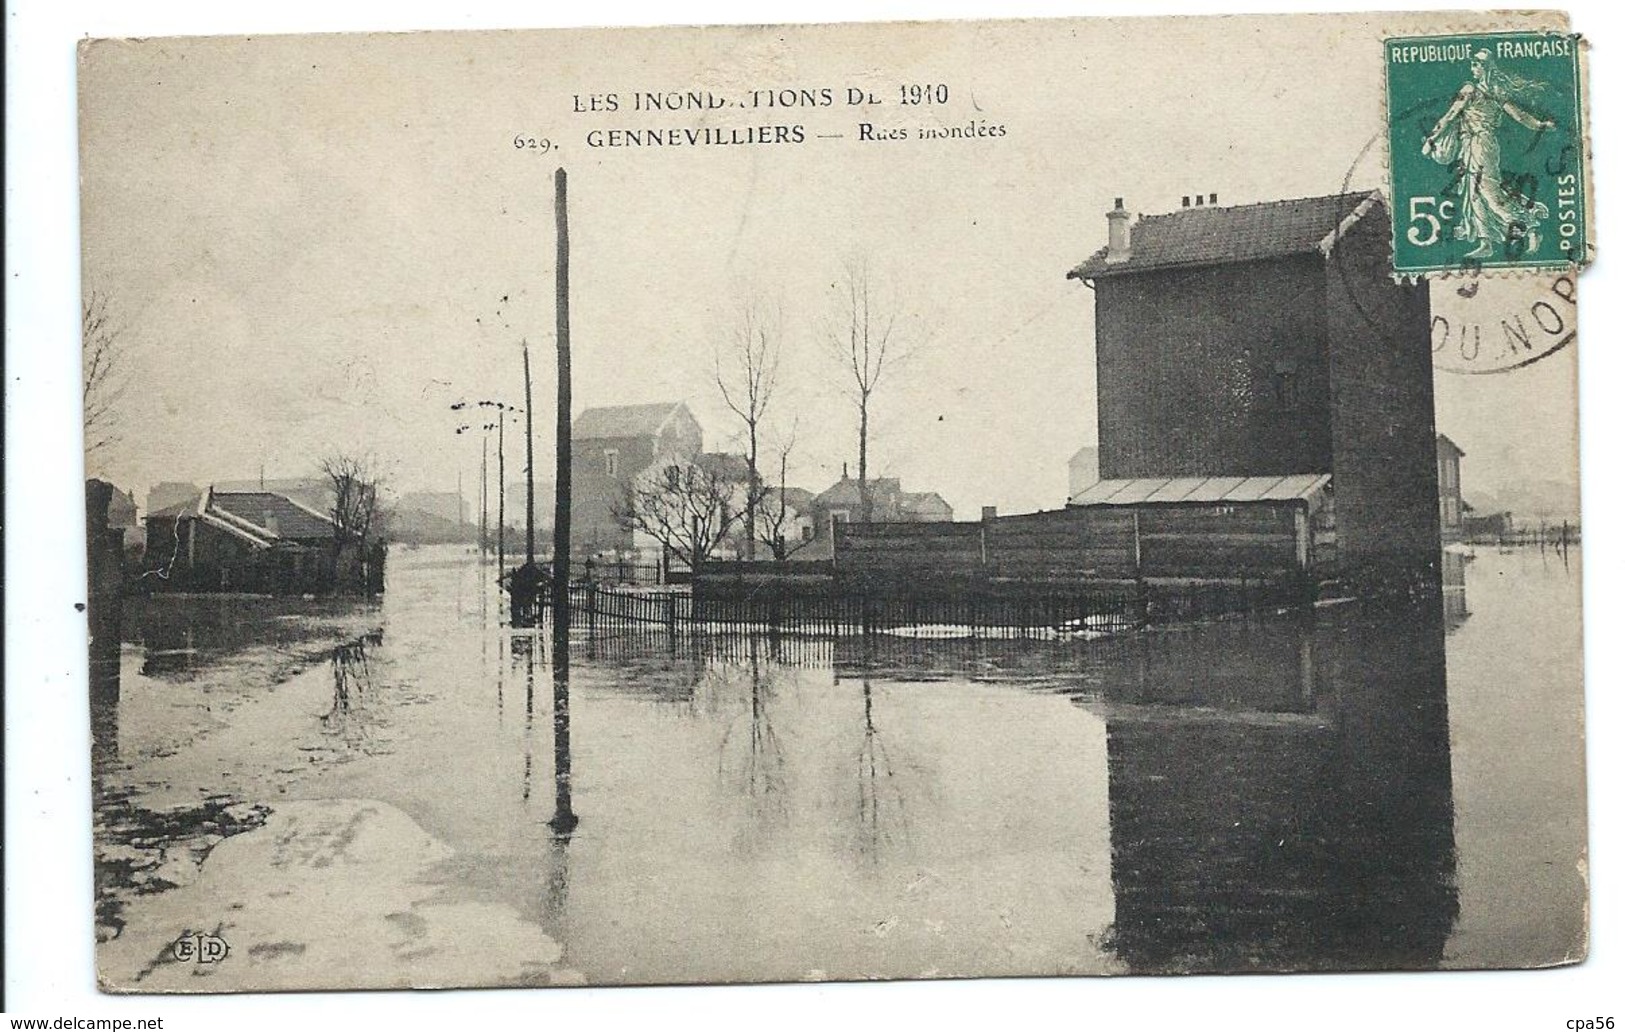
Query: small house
257,542
842,502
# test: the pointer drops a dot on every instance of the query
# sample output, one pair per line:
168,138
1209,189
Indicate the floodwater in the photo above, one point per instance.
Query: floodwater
369,789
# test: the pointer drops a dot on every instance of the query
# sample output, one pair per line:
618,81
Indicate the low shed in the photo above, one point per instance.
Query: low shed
1220,528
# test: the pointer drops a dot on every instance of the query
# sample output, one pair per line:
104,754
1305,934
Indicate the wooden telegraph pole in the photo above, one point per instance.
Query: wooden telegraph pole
502,496
530,470
564,818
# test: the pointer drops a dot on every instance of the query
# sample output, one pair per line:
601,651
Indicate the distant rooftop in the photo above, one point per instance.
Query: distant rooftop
624,420
846,491
1246,232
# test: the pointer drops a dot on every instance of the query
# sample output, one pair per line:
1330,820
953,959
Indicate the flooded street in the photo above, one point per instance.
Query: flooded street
1342,788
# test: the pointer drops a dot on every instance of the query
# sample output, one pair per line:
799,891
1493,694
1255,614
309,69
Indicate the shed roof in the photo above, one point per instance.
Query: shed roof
624,420
1246,232
294,522
1206,490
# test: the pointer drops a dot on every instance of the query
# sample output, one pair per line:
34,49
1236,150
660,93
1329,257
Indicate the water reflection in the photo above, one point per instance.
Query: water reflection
1453,574
185,635
1299,817
104,703
750,757
1267,793
352,684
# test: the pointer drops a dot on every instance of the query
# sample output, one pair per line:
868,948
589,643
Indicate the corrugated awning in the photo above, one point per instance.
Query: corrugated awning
1205,490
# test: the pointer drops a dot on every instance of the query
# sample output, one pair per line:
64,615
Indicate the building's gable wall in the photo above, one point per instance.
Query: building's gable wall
1213,371
595,493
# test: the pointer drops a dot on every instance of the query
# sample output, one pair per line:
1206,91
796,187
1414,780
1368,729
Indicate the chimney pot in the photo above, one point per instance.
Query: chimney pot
1118,242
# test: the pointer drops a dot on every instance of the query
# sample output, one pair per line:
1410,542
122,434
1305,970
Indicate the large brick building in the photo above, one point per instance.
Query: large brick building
1270,340
610,447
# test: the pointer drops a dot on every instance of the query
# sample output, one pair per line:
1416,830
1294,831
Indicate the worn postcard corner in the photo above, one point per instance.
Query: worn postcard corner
802,503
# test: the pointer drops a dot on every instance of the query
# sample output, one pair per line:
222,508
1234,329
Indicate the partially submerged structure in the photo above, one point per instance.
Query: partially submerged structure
257,542
1265,393
1267,341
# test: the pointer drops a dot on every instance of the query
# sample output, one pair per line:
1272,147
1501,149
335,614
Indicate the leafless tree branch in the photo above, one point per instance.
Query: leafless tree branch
688,508
102,367
746,369
865,338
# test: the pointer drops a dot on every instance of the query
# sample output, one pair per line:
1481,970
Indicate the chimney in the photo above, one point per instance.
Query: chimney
1117,233
1198,200
1185,201
1213,198
990,513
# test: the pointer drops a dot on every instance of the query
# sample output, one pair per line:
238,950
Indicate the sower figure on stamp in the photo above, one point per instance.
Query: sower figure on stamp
1467,136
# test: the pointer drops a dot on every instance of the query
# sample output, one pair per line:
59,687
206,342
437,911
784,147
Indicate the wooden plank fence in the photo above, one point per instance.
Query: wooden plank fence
1078,546
596,610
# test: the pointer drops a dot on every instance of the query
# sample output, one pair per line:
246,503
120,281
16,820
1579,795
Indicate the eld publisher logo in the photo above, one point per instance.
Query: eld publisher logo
196,947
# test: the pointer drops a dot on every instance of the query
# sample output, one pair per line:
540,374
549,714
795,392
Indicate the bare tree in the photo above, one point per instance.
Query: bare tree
103,372
747,369
774,508
866,340
689,508
357,511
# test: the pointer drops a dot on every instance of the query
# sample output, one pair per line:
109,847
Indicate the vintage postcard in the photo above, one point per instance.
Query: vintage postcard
926,500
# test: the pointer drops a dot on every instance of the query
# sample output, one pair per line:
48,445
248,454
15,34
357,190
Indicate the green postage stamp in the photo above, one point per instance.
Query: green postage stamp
1486,152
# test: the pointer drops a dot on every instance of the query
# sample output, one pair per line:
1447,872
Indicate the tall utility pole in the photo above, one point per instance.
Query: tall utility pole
502,497
564,817
530,470
485,483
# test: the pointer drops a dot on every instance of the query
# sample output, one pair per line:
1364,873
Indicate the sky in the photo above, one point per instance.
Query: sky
318,244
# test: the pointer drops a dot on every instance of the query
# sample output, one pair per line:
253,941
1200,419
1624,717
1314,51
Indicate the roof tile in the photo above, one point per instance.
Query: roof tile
623,420
1212,236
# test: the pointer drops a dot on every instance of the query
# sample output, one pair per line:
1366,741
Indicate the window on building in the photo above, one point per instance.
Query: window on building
807,532
1287,386
612,462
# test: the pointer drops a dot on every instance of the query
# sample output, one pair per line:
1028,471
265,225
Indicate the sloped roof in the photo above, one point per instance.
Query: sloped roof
1445,442
724,464
294,522
914,500
1215,235
624,420
1209,490
187,508
797,498
845,491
